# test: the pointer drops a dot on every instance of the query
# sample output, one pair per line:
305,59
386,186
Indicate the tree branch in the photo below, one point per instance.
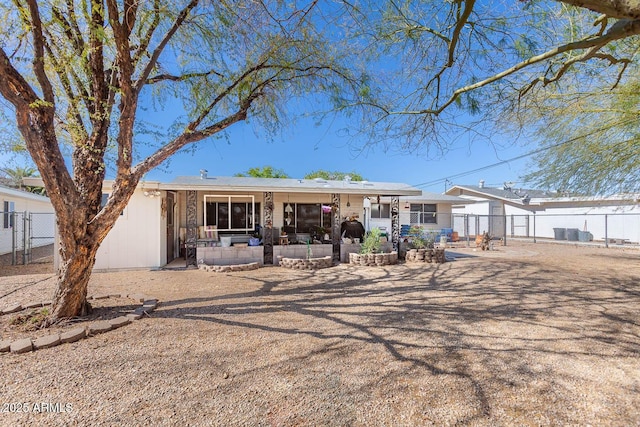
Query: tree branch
73,99
460,23
163,43
619,30
144,41
35,122
168,77
620,9
38,53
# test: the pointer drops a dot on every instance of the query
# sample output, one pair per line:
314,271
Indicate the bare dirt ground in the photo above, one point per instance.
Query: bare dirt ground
525,335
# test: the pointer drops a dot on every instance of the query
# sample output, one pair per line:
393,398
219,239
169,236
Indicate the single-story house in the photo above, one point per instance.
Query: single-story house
222,219
525,212
26,218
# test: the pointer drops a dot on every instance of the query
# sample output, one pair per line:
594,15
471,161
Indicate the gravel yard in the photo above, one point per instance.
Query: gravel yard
529,334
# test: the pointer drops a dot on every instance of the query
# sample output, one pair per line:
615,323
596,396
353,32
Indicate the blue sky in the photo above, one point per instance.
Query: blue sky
304,147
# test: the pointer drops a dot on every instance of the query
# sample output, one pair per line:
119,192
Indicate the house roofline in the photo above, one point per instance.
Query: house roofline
24,194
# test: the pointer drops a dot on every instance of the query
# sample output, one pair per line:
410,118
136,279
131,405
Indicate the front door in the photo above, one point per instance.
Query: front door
171,229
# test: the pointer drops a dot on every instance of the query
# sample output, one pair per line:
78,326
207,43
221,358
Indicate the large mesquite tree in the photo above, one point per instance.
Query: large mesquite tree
76,74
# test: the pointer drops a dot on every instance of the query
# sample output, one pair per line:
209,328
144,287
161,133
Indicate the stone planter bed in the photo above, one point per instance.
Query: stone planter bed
306,264
229,268
426,255
373,259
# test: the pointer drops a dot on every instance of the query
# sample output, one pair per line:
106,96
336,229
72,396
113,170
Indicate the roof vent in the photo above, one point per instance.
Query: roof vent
203,174
481,183
347,178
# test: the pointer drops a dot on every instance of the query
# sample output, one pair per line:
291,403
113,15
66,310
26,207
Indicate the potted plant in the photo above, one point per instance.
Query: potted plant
371,243
371,251
418,239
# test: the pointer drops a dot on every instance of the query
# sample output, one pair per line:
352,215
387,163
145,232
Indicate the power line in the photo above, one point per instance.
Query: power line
493,165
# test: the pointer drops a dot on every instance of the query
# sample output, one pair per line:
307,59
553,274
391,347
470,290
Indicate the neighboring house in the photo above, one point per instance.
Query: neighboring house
511,211
19,208
165,221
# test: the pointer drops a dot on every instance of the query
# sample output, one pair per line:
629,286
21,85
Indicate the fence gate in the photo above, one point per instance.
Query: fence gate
26,237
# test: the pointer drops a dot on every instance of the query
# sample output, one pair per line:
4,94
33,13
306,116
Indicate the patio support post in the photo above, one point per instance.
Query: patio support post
25,241
395,223
504,228
267,230
335,225
14,237
192,228
466,228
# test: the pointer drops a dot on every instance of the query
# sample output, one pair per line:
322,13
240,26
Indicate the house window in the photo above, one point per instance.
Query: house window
380,210
304,217
424,213
103,202
8,208
231,213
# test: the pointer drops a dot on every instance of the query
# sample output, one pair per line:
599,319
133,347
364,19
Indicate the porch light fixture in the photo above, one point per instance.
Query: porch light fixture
151,193
288,208
406,205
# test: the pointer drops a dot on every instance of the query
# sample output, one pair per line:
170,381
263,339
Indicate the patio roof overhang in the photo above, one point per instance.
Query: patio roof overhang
289,185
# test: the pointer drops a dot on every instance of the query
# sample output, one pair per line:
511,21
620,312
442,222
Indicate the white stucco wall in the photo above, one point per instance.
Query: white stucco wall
479,207
137,240
43,217
621,222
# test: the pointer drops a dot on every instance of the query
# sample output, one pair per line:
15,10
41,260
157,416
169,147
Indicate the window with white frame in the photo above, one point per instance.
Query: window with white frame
424,213
231,213
380,210
8,210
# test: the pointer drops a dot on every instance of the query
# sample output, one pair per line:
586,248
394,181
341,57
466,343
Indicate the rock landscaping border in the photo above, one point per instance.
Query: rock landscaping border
229,267
306,263
426,255
26,345
372,260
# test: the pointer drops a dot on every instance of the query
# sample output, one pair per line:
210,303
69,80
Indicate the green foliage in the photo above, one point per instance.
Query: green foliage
264,172
334,176
591,145
12,177
444,61
371,243
419,240
79,74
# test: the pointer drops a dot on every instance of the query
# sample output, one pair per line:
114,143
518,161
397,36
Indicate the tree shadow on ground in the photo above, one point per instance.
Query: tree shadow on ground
431,317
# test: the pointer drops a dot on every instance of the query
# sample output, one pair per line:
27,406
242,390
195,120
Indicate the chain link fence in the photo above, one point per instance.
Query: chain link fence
604,229
26,237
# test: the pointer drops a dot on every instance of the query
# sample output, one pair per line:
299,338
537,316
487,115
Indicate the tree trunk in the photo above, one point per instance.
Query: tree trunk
70,298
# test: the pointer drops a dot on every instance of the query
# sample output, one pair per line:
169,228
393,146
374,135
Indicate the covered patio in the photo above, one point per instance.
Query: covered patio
221,220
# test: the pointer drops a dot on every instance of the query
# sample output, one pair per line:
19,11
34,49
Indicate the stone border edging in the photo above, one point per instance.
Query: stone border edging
228,267
426,255
306,264
25,345
373,260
